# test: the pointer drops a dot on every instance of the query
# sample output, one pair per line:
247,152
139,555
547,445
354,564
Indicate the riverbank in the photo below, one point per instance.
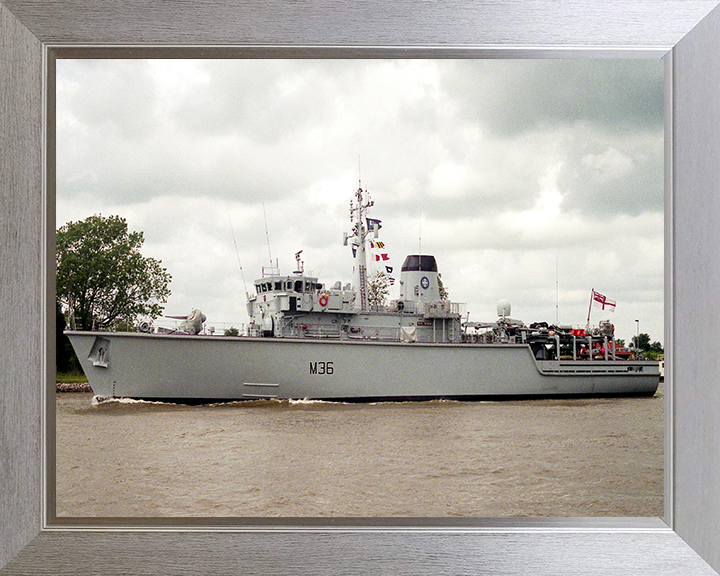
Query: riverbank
63,387
72,382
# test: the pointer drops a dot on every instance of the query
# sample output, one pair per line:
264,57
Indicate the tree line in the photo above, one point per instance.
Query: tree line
650,349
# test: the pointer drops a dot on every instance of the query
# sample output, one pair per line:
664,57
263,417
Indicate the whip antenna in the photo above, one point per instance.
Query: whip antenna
267,235
237,253
557,301
420,235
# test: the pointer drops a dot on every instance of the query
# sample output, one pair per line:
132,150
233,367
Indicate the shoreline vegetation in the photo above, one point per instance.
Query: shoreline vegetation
71,382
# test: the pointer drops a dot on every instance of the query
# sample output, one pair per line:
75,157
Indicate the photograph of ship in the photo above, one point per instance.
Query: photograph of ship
371,231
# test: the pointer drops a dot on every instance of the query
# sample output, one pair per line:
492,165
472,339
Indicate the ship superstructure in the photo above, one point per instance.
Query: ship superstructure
299,306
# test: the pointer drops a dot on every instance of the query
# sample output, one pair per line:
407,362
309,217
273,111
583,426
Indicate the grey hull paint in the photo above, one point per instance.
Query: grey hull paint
182,367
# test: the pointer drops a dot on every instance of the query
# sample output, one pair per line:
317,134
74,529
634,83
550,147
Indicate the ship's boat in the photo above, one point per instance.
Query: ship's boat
307,340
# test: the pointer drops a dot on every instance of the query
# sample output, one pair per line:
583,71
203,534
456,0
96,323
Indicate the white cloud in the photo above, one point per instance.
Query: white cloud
451,180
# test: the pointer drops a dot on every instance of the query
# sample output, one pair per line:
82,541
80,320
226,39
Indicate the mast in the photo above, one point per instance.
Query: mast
359,232
557,301
587,326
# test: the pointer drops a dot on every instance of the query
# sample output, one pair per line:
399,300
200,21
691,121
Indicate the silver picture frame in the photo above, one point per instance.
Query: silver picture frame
685,33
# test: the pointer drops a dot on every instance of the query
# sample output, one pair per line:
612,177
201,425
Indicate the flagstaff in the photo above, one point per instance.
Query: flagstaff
592,294
601,300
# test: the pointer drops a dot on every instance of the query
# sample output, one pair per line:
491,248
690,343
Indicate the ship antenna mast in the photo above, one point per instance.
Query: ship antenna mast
358,213
420,235
237,253
267,235
557,301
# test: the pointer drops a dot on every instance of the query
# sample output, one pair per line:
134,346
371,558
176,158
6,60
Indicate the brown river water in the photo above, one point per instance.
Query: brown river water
585,457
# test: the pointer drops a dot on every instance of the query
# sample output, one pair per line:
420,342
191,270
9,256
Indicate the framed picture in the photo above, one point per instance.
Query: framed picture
529,180
651,546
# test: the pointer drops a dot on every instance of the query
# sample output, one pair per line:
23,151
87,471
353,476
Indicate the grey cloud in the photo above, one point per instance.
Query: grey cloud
514,96
623,175
264,129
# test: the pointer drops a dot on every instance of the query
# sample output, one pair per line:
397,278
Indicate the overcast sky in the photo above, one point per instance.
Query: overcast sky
530,180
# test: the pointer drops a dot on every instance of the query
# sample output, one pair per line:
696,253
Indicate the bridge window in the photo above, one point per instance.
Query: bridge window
416,262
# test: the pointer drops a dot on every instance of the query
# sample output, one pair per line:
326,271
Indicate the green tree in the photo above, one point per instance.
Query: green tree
655,351
444,296
651,351
102,278
378,288
642,341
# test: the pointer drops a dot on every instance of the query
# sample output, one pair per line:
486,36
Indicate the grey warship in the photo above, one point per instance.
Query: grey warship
309,341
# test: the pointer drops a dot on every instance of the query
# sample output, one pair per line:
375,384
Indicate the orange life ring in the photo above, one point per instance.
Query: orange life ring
323,300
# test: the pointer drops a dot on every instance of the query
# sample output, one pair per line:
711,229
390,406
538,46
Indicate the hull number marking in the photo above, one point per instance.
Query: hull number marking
321,368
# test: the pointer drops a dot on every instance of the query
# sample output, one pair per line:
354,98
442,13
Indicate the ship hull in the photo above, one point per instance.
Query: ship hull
216,368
